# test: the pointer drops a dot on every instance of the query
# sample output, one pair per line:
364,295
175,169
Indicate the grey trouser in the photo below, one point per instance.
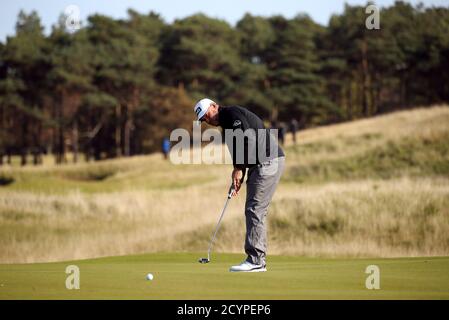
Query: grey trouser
261,183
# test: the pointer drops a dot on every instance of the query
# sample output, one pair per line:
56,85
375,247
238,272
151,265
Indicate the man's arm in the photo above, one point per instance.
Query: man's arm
238,174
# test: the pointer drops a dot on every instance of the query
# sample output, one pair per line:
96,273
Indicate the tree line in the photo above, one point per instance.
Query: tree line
117,87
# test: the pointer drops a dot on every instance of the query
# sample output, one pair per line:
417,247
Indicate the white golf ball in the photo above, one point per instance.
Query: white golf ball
149,276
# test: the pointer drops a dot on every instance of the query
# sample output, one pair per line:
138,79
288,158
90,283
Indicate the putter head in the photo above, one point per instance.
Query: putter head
203,260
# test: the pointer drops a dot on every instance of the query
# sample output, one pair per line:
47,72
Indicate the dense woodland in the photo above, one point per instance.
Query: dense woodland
118,87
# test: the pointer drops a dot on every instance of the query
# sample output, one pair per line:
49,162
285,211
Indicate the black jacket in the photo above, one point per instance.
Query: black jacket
252,144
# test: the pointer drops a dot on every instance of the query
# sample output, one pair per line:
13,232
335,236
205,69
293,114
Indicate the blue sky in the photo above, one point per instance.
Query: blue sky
230,10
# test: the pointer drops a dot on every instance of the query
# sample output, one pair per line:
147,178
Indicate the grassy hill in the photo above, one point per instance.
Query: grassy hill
377,187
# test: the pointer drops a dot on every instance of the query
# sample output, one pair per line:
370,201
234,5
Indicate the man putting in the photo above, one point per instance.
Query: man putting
253,148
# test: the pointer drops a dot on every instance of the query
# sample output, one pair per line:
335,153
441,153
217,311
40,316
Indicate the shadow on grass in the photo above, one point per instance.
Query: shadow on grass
4,180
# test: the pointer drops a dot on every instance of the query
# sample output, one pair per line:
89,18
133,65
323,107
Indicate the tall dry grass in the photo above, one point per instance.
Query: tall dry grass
391,218
40,227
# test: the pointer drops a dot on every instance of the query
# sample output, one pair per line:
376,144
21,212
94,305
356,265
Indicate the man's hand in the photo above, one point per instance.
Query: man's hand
237,176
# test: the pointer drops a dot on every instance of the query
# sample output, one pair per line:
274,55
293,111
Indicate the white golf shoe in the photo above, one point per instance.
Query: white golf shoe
246,266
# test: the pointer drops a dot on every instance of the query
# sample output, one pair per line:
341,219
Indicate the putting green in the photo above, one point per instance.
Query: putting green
180,276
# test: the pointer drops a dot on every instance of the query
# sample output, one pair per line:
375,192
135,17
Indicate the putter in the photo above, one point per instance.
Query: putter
207,260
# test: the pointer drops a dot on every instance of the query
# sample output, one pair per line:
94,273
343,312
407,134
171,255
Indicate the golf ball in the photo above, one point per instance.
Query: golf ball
149,276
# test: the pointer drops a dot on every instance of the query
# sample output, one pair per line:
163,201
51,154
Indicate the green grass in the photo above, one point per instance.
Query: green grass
417,156
180,276
103,177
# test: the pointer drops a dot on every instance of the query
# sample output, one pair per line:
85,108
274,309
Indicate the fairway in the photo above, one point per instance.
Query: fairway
180,276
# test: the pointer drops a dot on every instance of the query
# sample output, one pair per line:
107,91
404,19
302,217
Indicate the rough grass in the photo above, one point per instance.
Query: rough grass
400,217
136,173
374,187
413,156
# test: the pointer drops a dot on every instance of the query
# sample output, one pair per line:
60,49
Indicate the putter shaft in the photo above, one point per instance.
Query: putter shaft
231,189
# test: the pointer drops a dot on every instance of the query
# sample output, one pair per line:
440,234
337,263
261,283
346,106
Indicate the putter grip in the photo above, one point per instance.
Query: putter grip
231,188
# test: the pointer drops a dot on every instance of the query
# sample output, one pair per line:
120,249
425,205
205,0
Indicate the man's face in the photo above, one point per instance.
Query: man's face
211,116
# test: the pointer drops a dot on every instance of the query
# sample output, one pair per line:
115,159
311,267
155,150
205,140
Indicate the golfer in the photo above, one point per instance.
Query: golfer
264,170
